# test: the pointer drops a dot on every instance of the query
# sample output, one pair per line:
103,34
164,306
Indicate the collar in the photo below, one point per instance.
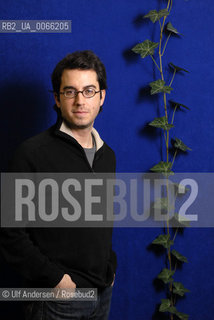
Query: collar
99,142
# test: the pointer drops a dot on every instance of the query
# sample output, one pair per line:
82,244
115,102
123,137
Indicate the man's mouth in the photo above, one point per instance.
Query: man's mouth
80,111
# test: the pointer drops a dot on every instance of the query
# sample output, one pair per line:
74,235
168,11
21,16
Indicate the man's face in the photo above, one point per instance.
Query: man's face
79,112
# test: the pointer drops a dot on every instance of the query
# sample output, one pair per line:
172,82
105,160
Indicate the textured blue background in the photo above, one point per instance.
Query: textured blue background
111,28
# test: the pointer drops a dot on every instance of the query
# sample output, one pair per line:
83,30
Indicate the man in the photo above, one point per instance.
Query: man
76,257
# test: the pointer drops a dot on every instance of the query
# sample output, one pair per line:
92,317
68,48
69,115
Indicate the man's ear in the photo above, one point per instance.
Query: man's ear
56,98
102,96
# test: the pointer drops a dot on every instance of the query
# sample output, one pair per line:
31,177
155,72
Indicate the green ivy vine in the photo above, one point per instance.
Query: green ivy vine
165,123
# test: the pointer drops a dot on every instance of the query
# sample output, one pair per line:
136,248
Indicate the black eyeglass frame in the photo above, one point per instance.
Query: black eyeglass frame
80,91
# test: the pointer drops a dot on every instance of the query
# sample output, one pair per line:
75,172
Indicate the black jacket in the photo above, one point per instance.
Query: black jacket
44,255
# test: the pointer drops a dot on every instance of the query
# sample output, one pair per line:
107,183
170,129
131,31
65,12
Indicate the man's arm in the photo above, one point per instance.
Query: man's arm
19,250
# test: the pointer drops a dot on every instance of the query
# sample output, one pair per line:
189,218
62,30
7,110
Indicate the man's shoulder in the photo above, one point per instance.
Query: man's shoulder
34,142
26,154
109,149
102,146
109,159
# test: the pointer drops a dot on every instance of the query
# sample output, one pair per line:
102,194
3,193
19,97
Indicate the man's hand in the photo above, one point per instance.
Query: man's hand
66,283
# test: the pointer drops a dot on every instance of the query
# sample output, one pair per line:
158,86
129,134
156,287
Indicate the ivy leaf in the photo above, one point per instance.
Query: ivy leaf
163,240
182,316
180,145
159,86
165,304
155,15
176,222
163,13
173,310
178,185
162,123
179,256
162,167
170,28
166,275
145,48
179,289
179,104
163,204
152,15
177,68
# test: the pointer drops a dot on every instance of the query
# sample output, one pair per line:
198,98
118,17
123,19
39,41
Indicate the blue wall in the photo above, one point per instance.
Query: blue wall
111,28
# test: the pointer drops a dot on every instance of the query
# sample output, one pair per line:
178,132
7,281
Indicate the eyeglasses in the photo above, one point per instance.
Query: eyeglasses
72,93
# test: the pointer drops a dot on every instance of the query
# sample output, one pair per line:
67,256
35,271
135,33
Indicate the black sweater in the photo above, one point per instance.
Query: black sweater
44,255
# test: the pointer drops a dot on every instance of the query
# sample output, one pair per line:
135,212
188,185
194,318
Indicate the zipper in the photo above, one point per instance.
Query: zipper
72,140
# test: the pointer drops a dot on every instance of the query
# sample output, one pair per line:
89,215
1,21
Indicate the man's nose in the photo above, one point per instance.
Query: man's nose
79,98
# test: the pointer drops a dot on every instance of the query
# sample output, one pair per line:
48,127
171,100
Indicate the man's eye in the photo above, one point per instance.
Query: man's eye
89,91
70,92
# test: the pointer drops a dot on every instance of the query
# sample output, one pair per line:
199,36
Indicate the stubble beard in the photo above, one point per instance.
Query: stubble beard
72,125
